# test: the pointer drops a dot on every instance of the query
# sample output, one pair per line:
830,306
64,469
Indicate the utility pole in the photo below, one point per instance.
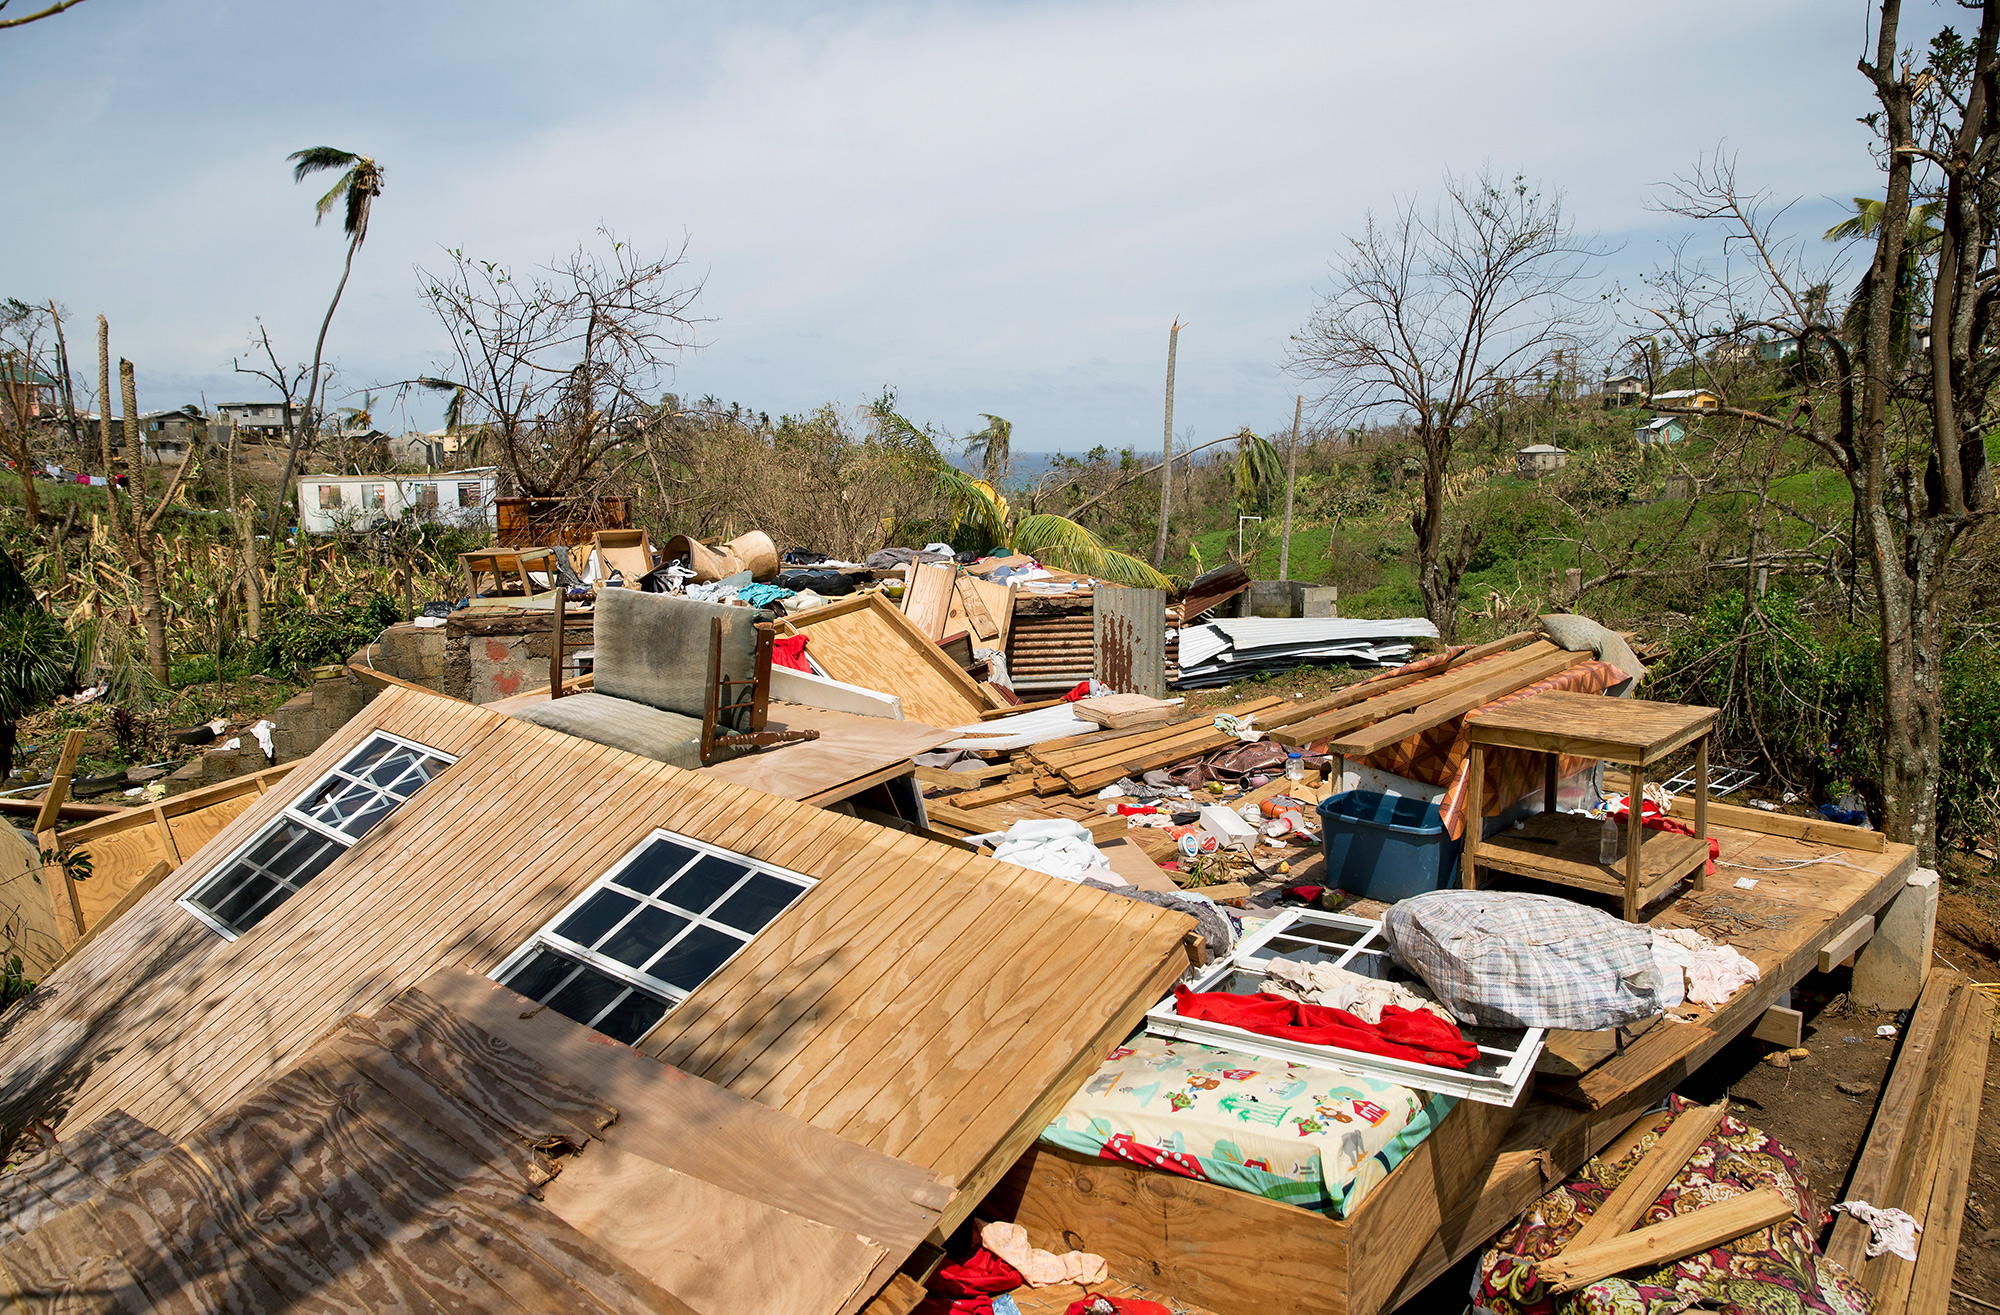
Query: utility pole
1167,451
1291,480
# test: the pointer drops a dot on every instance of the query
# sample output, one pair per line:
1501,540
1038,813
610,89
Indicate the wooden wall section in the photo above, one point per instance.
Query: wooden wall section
922,1001
867,641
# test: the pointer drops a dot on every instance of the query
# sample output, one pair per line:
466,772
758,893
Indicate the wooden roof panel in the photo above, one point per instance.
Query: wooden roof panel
914,994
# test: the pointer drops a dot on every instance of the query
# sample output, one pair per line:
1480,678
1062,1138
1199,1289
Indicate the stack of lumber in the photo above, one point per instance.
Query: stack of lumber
1126,712
1920,1148
1366,718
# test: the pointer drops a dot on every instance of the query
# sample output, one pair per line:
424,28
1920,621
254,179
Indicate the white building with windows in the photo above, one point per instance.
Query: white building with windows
333,504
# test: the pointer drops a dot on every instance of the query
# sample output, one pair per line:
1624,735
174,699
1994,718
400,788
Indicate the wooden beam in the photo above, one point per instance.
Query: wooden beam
68,812
1642,1185
1437,712
1842,947
52,798
1781,1027
1756,820
953,779
1937,1249
1360,705
1683,1235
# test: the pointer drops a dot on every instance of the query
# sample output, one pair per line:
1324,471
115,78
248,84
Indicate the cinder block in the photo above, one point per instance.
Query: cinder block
1276,598
1320,600
1889,970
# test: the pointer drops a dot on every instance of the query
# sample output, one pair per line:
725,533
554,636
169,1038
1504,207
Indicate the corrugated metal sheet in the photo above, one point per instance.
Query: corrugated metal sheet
1130,640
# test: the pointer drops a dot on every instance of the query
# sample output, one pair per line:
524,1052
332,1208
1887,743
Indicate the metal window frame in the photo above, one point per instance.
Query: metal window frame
293,813
664,991
1251,954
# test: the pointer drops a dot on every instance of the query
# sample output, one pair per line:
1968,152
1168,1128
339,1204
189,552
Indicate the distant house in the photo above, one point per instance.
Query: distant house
259,419
36,390
1623,390
1660,429
329,504
1687,399
1539,460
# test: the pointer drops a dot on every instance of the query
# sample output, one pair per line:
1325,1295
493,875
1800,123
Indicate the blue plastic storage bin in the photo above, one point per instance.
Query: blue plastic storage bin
1386,847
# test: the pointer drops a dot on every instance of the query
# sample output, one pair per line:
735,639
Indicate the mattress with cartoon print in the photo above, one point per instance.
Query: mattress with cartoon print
1318,1138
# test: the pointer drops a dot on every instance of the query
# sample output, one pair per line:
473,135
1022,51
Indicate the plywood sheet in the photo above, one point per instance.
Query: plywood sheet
866,641
719,1252
849,748
928,598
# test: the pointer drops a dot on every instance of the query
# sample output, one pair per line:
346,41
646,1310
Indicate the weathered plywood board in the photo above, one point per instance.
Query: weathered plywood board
866,641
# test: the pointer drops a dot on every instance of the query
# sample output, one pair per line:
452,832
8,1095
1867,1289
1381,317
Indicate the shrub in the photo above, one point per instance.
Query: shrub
296,640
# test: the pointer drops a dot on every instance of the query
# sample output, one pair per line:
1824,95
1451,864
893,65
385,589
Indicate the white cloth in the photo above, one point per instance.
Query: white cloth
1055,846
1337,988
1889,1230
1694,968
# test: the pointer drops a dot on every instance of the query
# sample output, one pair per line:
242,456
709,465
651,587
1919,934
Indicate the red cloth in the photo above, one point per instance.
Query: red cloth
1415,1035
969,1286
1082,691
1123,1305
1651,818
790,651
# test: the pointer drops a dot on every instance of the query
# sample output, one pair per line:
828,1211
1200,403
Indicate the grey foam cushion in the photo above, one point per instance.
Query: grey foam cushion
668,737
653,649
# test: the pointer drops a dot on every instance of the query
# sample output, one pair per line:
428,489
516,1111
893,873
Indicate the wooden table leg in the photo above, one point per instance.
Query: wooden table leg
1701,809
1475,786
1551,766
1635,807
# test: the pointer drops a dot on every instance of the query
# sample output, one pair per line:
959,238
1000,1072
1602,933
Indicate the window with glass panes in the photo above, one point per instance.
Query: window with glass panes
319,827
648,932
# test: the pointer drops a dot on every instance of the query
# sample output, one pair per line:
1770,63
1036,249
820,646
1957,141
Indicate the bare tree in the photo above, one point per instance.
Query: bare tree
560,368
1427,314
48,11
1895,397
131,523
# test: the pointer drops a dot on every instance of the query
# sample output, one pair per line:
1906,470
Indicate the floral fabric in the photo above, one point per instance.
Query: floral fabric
1774,1271
1310,1137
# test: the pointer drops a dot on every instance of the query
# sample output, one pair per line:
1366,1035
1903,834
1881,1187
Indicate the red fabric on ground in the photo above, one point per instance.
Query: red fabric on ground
1652,819
1123,1305
1082,691
790,651
969,1286
1415,1035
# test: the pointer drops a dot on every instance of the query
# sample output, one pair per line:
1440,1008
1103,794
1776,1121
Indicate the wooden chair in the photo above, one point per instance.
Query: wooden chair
757,702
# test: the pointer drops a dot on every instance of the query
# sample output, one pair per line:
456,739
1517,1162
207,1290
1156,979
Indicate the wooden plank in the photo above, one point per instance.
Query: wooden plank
1737,818
1937,1247
52,798
1562,847
1842,947
1592,726
714,1249
70,1265
1892,1129
954,779
927,597
1476,694
1683,1235
1014,787
866,640
436,1024
1643,1183
1375,700
1226,1250
1780,1026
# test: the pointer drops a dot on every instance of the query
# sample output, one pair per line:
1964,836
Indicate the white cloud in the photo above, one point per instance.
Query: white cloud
993,208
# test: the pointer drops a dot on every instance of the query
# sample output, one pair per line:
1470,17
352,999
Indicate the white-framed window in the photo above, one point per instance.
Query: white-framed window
468,495
329,497
372,497
648,932
315,829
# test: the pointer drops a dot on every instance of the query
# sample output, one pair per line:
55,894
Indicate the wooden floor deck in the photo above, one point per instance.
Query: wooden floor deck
1806,896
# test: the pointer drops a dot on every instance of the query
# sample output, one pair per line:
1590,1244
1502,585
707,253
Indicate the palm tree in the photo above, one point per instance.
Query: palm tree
989,447
357,188
1909,307
979,508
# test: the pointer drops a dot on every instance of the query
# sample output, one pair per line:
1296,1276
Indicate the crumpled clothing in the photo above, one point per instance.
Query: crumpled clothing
1713,973
1099,1304
1654,818
805,601
1217,932
968,1286
885,558
1054,845
1414,1036
1042,1268
1337,988
759,595
789,651
1889,1229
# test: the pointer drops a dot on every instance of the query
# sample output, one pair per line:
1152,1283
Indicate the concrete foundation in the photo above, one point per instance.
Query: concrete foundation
1889,970
1275,598
1320,600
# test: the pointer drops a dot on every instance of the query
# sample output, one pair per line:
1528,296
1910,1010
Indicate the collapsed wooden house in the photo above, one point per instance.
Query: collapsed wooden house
910,999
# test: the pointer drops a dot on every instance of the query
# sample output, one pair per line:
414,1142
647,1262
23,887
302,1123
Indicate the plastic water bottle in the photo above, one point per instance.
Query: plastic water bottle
1607,841
1295,766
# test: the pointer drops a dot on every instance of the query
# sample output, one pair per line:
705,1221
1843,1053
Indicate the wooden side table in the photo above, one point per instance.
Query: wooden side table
1563,847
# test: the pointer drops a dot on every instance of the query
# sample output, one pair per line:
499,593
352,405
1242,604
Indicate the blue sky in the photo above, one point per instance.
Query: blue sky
992,208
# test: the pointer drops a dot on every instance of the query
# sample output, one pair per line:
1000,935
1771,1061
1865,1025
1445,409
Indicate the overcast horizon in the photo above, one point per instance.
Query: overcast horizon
987,208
